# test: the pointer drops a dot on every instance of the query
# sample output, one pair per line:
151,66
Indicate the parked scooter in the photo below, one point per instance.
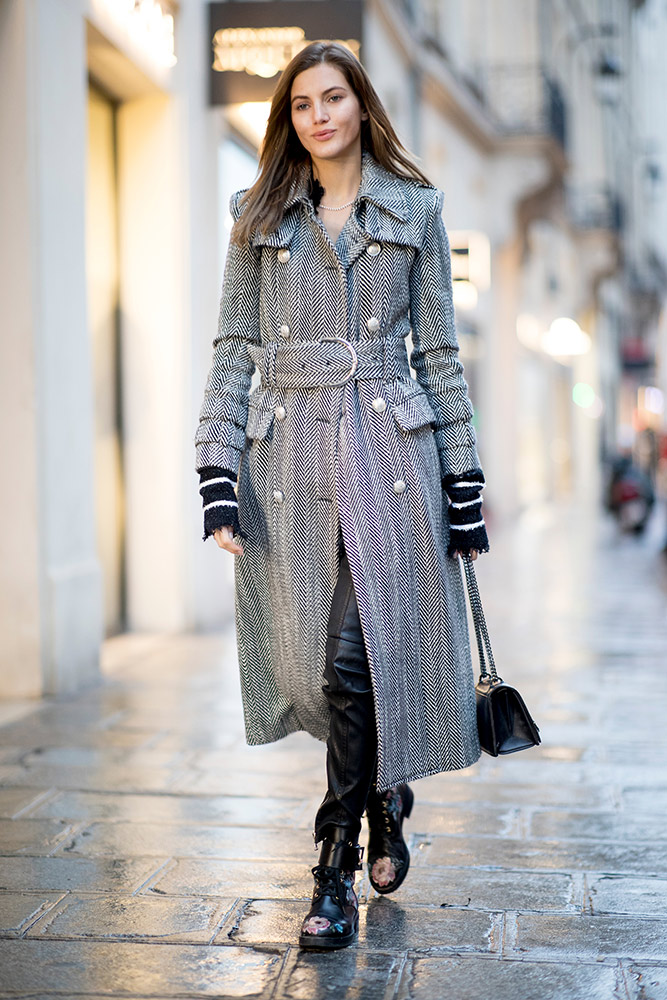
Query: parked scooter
631,495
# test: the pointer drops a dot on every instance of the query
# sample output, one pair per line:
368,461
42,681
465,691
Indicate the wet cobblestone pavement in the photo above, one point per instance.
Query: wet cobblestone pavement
145,851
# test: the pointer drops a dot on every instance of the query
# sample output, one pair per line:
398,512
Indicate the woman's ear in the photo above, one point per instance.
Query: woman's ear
364,115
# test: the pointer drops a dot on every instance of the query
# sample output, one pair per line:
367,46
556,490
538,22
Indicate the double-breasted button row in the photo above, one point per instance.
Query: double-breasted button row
373,249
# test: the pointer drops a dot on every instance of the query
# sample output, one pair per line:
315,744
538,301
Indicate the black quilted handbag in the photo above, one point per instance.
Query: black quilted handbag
504,723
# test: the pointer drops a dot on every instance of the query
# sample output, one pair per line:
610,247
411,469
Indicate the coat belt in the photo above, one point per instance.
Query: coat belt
307,364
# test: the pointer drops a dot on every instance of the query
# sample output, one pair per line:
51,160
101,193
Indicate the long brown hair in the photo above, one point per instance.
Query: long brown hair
282,156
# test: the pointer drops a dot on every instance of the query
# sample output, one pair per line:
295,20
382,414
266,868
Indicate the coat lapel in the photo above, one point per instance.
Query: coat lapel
380,213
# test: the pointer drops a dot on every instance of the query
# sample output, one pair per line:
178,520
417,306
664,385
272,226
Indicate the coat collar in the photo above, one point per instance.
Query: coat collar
380,212
379,186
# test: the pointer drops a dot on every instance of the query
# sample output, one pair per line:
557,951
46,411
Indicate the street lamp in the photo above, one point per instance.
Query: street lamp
565,338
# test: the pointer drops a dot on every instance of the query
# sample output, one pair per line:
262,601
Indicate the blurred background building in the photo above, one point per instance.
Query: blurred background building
125,126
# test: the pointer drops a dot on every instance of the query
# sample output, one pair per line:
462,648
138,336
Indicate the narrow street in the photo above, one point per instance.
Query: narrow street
147,852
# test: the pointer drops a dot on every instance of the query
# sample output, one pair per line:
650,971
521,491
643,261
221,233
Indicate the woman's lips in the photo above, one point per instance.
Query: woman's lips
324,134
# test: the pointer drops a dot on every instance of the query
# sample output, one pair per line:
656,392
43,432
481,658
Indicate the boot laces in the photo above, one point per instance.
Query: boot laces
330,881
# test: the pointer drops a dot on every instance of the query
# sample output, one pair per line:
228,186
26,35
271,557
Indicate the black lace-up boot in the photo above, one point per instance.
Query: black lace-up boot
333,918
388,854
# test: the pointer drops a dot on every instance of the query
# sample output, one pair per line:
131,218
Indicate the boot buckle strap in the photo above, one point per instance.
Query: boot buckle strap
341,854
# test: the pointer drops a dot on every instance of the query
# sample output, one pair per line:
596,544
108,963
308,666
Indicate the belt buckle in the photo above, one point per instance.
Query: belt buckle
355,357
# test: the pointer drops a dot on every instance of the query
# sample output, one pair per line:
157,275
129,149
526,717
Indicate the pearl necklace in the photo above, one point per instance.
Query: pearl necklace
337,208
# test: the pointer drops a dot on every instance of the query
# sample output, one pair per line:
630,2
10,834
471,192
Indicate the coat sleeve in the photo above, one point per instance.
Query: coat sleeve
220,436
435,359
435,354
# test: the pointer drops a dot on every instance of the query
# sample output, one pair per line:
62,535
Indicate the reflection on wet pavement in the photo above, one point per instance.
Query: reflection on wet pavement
145,851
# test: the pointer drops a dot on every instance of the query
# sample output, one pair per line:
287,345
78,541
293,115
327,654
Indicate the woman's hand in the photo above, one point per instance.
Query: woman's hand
225,539
473,554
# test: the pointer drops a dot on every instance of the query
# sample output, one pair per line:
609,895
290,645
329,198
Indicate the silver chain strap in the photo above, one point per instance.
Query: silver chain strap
481,631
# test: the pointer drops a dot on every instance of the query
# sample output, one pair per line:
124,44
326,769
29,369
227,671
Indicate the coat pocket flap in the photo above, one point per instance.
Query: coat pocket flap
414,411
259,422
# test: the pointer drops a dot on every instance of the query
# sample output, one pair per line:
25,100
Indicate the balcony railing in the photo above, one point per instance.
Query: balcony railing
595,207
523,100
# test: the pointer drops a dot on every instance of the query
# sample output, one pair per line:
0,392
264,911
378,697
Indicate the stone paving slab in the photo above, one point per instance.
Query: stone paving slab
384,925
68,968
550,935
251,783
459,819
148,918
219,810
447,790
463,887
32,836
635,798
113,778
130,839
599,826
542,855
212,877
22,736
19,800
19,911
352,974
614,894
72,874
468,978
102,757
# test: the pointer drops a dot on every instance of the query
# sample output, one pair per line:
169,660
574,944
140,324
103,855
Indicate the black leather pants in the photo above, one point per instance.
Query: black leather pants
352,743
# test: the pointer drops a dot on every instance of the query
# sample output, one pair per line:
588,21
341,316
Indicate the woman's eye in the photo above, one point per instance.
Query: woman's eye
336,97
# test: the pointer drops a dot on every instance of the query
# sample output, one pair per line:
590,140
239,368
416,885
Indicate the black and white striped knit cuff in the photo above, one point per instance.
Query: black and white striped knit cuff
219,499
467,530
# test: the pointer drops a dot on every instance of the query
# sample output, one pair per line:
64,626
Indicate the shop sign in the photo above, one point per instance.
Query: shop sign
252,41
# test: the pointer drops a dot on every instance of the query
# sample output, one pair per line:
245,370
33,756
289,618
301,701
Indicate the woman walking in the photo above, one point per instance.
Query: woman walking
345,487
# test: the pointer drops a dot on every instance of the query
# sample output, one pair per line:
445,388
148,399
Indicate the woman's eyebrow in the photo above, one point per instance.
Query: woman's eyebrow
305,97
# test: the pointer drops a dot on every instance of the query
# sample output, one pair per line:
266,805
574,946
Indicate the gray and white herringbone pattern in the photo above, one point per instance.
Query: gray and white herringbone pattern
314,457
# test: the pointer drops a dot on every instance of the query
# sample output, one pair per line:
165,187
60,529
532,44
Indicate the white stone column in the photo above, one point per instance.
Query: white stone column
49,582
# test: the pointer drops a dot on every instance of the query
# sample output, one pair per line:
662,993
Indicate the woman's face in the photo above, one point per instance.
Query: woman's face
326,112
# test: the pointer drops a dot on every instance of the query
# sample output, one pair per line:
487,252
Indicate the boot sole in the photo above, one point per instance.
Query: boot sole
313,942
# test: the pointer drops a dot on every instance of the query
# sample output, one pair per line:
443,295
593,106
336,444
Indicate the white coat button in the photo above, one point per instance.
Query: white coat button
373,249
373,324
379,405
284,330
399,486
280,412
283,255
278,496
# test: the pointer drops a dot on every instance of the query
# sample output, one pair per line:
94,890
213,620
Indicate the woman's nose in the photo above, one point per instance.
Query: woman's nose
321,113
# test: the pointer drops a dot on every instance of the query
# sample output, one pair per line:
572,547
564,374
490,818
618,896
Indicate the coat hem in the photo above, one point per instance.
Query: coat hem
417,775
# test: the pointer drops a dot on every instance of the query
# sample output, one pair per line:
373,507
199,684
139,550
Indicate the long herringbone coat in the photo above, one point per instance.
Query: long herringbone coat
365,457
